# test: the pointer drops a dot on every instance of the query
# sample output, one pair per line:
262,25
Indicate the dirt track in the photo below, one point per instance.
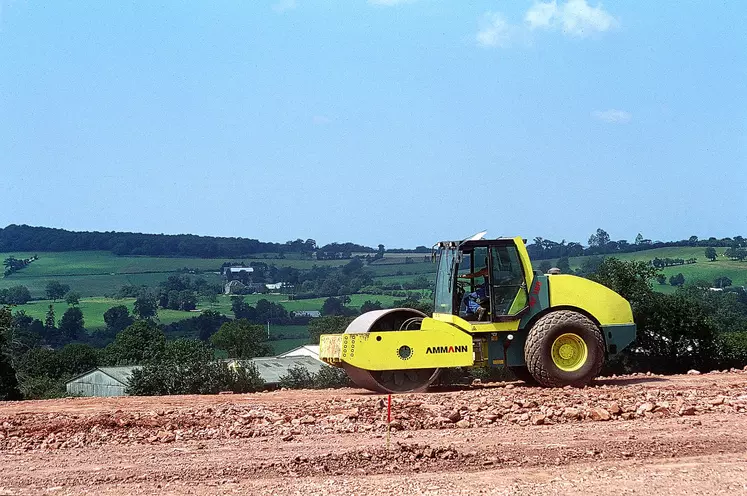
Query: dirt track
632,435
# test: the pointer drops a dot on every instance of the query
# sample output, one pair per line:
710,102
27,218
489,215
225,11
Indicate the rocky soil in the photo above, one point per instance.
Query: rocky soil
635,432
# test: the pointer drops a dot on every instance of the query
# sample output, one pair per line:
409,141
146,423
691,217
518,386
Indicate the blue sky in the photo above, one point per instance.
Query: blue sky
395,122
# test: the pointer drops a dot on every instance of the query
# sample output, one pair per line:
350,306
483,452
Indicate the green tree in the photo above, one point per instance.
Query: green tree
297,377
369,306
545,266
56,290
675,333
267,311
145,307
590,265
425,306
661,279
49,319
76,358
630,279
330,324
117,318
710,253
240,339
25,333
194,377
72,298
187,300
8,381
17,295
564,265
241,309
333,306
599,239
722,282
71,324
380,252
140,342
677,280
211,299
11,264
187,350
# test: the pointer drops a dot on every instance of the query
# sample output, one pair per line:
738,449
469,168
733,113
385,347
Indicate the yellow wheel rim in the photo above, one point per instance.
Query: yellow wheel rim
569,352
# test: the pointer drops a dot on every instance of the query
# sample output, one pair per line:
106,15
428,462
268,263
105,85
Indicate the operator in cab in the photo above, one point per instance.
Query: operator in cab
476,302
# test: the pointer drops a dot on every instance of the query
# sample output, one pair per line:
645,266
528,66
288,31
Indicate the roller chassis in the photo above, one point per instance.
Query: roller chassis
559,328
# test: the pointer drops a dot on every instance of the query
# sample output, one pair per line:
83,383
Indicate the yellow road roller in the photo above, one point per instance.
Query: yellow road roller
491,309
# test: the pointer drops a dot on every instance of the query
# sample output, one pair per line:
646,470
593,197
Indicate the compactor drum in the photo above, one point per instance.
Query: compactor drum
490,310
390,381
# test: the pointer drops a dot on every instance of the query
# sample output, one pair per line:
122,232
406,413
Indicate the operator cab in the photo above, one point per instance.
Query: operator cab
483,280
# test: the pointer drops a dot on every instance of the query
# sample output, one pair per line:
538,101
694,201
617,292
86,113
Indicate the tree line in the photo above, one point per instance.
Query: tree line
692,328
30,238
600,243
13,264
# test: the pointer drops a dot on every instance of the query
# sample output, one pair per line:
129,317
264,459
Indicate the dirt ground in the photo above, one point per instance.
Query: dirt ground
627,435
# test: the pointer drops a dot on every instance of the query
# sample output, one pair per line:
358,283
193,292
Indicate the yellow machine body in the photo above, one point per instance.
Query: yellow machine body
374,342
436,345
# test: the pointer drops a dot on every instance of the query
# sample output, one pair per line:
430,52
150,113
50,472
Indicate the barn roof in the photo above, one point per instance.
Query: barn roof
271,369
119,374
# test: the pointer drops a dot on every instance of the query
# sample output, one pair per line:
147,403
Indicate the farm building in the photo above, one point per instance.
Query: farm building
307,313
309,350
271,369
276,286
236,270
112,381
101,381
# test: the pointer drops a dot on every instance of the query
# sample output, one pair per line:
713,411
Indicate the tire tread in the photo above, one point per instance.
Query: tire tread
538,333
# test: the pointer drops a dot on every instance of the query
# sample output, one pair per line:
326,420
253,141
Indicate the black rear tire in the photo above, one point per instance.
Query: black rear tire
546,333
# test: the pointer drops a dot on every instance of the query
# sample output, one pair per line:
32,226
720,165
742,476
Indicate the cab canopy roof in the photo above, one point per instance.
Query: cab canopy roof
466,244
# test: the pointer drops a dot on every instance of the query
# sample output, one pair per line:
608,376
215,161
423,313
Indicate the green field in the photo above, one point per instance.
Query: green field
93,309
95,274
356,300
99,273
704,269
403,269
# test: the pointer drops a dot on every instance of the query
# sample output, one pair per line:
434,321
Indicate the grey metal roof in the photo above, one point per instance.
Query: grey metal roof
272,368
119,374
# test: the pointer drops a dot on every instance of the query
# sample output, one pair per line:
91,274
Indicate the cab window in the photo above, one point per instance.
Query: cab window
509,292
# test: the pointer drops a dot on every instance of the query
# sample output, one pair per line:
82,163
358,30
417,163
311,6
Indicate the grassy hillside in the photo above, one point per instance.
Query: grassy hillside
356,300
99,273
703,269
93,308
399,269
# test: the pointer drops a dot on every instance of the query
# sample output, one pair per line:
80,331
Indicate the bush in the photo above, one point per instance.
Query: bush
733,349
198,377
331,377
328,377
297,378
42,387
